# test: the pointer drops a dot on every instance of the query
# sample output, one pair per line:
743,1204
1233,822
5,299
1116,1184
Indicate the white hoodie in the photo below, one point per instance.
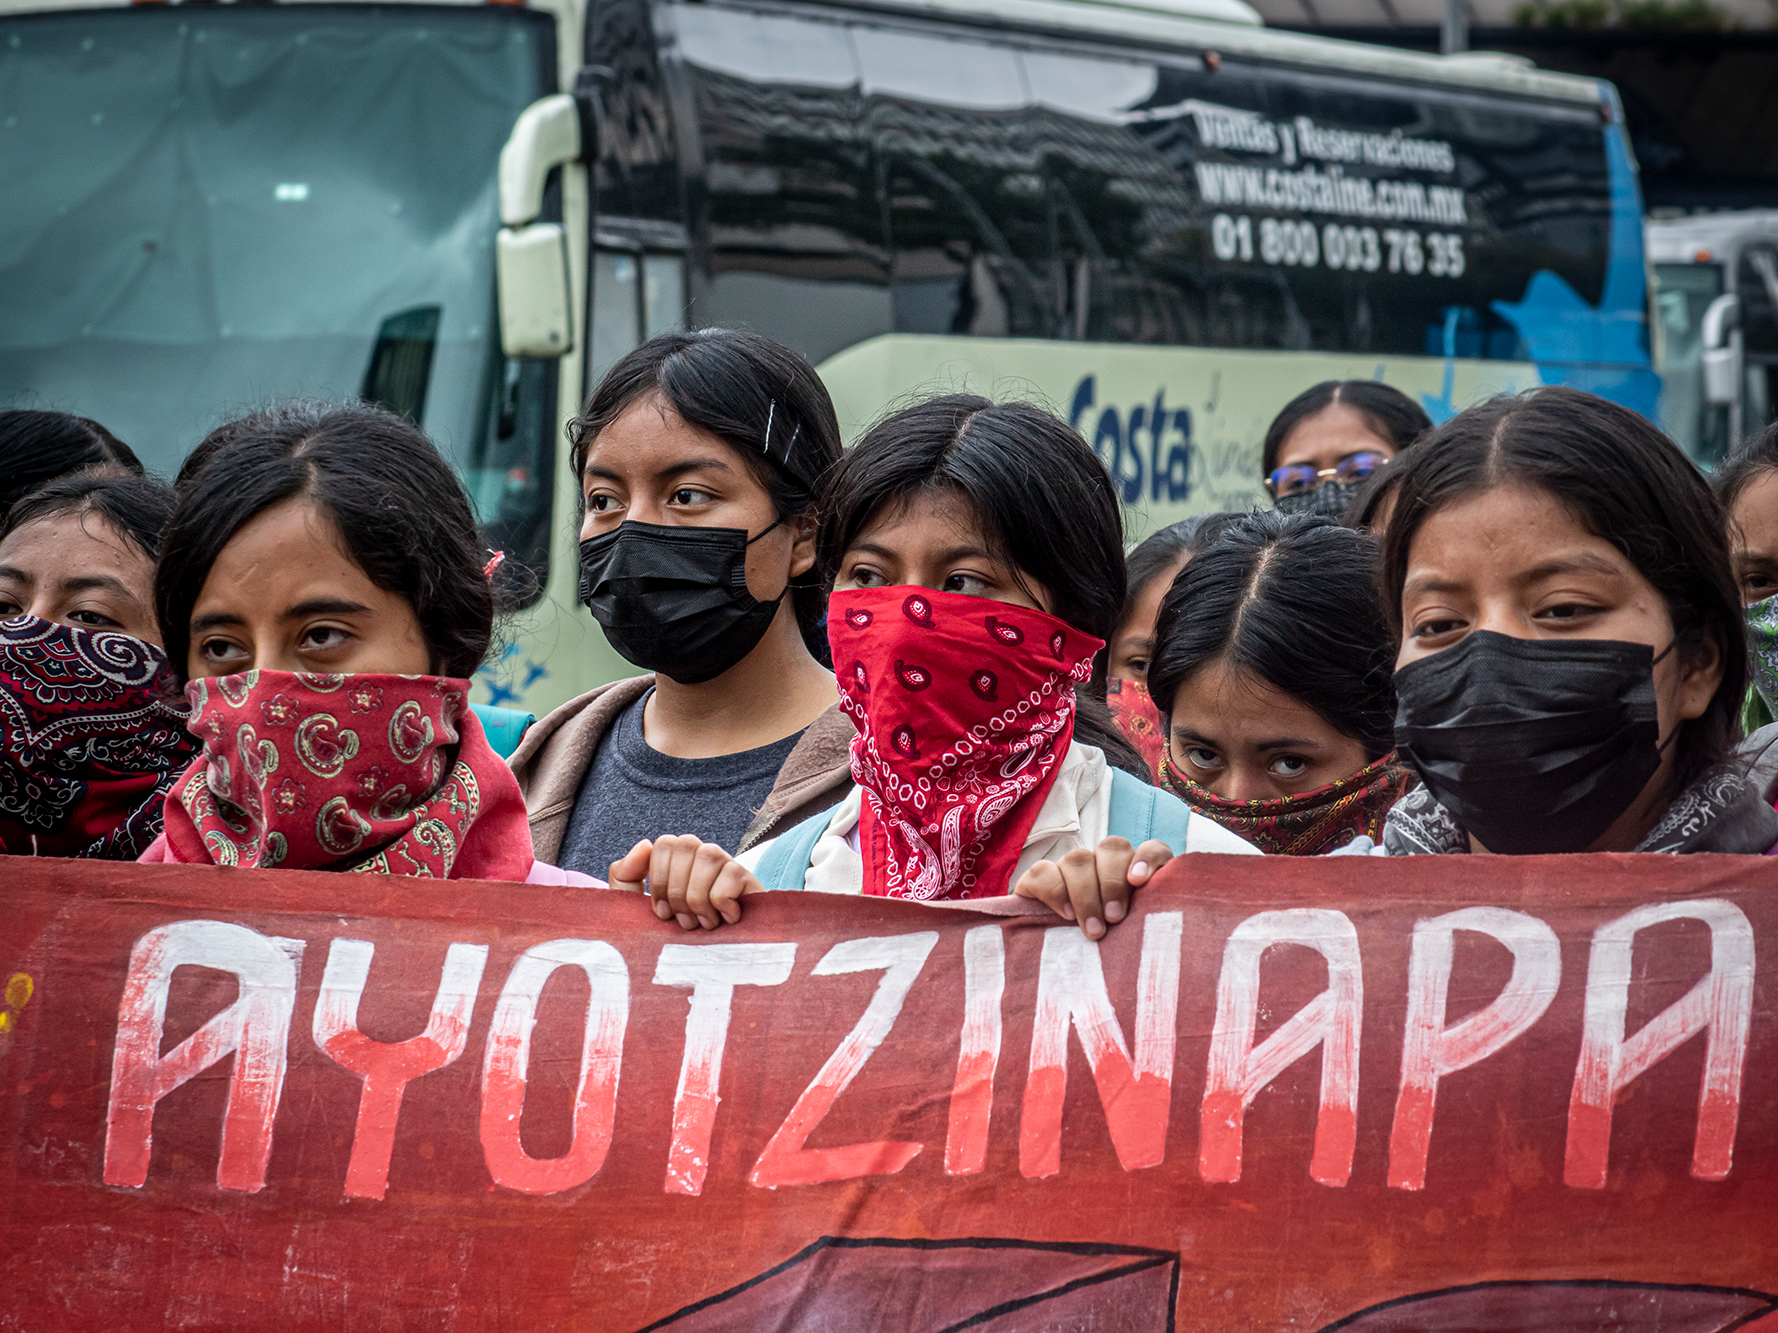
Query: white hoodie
1076,813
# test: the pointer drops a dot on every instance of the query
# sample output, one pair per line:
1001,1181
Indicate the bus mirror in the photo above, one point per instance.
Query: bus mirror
1722,350
546,134
531,272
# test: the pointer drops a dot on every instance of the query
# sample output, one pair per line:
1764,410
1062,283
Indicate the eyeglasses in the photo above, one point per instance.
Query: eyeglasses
1295,478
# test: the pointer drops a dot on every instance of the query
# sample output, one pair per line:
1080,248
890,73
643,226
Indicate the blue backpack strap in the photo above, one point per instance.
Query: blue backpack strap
786,857
1140,812
504,727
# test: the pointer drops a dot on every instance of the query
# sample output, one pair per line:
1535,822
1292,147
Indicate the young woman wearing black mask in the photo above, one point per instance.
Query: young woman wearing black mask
1572,657
699,456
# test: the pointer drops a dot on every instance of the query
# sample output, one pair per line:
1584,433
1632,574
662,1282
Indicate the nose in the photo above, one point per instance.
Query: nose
1246,783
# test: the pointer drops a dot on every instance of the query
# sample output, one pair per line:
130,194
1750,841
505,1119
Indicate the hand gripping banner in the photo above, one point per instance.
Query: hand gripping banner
1453,1094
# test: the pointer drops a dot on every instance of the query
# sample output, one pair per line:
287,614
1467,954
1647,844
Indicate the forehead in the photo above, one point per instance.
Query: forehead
939,519
1756,512
72,545
1237,707
1504,531
1337,427
292,545
648,437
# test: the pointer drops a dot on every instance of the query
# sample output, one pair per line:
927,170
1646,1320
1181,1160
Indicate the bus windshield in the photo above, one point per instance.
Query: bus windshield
207,208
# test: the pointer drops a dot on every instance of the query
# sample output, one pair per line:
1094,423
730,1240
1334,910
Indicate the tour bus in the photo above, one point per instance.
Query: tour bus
1716,326
1156,216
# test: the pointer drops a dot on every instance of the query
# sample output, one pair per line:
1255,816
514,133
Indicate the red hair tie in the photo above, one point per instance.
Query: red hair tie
489,568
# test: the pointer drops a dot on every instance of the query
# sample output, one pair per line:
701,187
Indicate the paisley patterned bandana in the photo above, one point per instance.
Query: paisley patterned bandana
1311,822
89,741
1762,650
386,774
964,709
1138,718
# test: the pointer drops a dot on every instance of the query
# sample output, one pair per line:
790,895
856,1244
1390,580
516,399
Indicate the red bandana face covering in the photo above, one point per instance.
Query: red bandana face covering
374,773
964,709
1310,823
1138,718
89,742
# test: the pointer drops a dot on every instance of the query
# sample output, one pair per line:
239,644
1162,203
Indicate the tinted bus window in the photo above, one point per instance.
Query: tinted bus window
789,201
637,173
969,218
892,175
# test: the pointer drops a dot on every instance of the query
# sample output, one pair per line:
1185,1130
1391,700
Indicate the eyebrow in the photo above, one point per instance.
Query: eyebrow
1577,564
13,572
214,620
942,557
321,606
1572,565
666,473
325,606
1191,737
91,581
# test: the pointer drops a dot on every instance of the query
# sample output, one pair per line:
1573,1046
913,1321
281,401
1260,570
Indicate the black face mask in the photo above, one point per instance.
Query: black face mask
1533,745
675,600
1329,499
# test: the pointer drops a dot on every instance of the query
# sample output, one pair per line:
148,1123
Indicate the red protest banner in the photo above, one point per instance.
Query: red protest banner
1454,1094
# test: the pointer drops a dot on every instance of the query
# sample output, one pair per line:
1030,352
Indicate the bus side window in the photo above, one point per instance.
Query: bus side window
1756,281
971,222
789,191
616,311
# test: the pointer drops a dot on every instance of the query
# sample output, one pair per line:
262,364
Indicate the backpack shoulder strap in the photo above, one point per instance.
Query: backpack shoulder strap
786,857
1140,812
504,727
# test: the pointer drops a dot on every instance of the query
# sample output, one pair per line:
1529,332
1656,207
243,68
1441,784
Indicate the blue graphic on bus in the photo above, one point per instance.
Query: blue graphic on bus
1163,469
1602,349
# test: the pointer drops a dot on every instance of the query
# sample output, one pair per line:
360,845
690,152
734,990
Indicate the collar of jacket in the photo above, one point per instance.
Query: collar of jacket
552,761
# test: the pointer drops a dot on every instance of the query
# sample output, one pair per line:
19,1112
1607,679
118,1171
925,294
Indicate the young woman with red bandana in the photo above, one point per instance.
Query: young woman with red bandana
90,737
322,589
978,571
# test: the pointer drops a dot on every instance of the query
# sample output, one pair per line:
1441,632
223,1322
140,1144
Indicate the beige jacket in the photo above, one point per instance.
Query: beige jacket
552,761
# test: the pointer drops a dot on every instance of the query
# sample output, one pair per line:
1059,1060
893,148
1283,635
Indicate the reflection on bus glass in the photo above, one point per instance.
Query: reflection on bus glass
209,207
860,175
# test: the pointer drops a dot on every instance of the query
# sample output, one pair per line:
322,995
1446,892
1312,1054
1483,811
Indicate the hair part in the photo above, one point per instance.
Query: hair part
1392,416
1746,463
1625,483
400,512
1040,496
1290,600
1164,552
36,447
758,397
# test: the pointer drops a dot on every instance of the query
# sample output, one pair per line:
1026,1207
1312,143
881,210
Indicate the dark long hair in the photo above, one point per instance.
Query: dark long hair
138,508
1042,498
400,510
1752,457
1292,600
1627,484
761,399
1158,553
1389,412
37,447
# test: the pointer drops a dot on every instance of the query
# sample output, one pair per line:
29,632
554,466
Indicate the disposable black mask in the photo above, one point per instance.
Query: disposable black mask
1533,745
1329,499
675,600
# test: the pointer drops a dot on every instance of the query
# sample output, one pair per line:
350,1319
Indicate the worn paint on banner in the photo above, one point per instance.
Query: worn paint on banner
1476,1092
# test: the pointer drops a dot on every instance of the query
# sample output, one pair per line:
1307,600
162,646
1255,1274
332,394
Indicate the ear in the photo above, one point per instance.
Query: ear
802,544
1700,675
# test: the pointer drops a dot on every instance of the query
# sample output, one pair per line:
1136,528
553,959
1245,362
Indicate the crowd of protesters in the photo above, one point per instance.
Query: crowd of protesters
922,667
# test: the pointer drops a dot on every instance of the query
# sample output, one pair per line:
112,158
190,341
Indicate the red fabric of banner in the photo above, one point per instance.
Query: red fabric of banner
1490,1092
